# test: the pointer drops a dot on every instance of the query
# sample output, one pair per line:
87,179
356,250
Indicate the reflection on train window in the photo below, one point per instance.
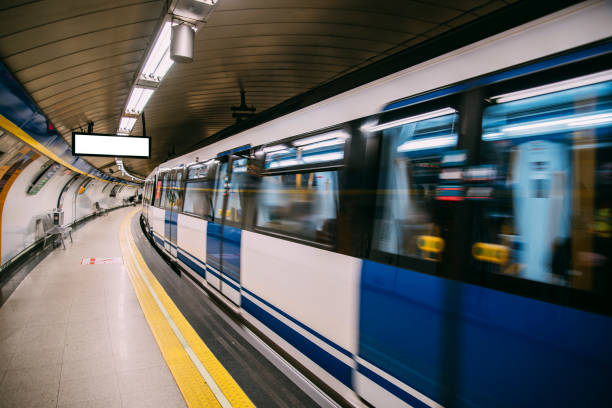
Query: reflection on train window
178,188
548,216
164,191
302,205
409,198
171,193
198,198
319,149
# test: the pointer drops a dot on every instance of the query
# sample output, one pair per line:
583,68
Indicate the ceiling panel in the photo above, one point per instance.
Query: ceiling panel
78,59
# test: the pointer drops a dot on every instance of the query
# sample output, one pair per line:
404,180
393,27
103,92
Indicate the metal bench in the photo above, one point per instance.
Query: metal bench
51,231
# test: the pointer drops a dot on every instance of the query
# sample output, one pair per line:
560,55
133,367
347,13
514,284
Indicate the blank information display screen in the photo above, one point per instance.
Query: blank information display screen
110,145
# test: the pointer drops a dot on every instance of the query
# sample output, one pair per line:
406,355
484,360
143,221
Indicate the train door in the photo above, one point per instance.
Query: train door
224,234
172,209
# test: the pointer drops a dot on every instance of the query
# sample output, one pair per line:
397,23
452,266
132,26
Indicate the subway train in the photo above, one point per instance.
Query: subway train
441,236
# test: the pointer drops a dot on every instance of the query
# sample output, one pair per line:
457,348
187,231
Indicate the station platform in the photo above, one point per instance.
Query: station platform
108,323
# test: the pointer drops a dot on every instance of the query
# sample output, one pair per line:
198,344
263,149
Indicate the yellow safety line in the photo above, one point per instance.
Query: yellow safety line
29,140
196,391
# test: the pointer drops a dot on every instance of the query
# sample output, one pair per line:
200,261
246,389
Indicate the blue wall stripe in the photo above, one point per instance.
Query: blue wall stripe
325,360
302,325
538,66
392,388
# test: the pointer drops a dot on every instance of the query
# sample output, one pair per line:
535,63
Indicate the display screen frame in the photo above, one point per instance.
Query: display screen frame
111,138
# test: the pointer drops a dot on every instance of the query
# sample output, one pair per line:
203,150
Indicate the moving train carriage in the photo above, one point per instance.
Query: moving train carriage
452,250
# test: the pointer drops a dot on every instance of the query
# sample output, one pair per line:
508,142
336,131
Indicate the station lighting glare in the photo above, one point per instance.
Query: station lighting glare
138,100
551,126
320,138
326,143
411,119
274,148
126,125
323,157
159,62
555,87
428,143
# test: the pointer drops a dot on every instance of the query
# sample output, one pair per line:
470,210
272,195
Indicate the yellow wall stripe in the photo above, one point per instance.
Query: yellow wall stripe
29,140
195,390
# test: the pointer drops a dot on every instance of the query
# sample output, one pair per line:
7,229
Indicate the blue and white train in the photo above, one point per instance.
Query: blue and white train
438,237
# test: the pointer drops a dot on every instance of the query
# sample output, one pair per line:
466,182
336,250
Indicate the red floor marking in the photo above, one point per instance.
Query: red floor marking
98,261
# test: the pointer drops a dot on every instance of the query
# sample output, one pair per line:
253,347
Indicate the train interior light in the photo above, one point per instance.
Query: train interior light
555,87
412,119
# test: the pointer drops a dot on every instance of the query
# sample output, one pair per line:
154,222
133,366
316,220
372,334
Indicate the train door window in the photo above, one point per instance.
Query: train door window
298,195
220,185
171,191
158,191
199,190
235,199
164,190
178,184
545,210
411,195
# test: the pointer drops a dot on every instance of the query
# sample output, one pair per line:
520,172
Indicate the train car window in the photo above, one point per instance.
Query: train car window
411,190
298,195
545,188
302,205
199,191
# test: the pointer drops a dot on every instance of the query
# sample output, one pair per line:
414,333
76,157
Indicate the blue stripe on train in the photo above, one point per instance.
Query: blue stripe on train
392,388
325,360
302,325
224,278
191,264
158,240
468,346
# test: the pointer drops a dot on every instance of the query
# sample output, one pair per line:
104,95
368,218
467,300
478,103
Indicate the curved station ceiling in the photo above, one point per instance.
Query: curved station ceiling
79,59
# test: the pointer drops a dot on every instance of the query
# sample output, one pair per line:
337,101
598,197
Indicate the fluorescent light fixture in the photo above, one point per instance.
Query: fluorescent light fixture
138,100
338,134
555,87
158,63
274,148
126,125
428,143
110,145
411,119
326,143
